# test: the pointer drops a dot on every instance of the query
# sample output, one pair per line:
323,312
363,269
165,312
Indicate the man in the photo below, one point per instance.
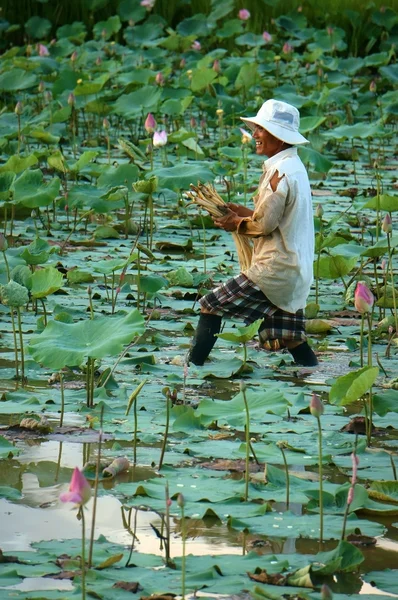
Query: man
277,284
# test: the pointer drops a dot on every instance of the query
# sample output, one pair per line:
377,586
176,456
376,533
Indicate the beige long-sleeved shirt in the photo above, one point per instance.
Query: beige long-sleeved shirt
282,229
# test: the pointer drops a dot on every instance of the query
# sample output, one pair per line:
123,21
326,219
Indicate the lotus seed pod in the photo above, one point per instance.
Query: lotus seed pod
14,295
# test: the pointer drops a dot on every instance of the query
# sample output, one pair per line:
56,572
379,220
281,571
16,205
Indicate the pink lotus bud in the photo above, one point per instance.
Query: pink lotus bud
244,14
350,496
387,224
40,87
105,123
180,500
330,31
299,9
159,78
98,61
193,122
150,123
79,489
287,48
183,62
149,4
159,139
267,37
355,463
326,592
122,276
118,290
169,502
18,108
372,87
196,45
390,330
316,406
73,56
364,298
71,99
203,123
383,265
48,96
66,207
43,50
217,66
319,211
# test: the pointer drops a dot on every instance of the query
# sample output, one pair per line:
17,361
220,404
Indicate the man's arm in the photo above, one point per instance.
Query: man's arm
241,211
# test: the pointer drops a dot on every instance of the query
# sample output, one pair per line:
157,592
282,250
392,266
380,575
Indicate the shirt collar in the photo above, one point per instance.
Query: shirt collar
270,162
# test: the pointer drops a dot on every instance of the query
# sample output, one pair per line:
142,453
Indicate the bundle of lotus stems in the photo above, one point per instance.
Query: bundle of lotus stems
206,196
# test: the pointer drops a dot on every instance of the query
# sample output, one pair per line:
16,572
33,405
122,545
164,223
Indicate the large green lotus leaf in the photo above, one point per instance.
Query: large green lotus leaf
201,78
147,34
43,136
141,101
334,267
183,174
383,202
386,401
45,282
17,79
347,555
131,11
84,195
108,28
359,130
381,247
198,25
37,253
310,123
70,344
83,160
125,174
385,491
245,334
17,164
75,30
350,387
233,412
91,87
320,163
151,284
390,73
250,39
287,524
6,181
38,28
115,264
30,190
387,580
247,77
230,28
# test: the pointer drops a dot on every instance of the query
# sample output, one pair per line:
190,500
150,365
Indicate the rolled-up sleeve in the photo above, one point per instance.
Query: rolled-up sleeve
268,213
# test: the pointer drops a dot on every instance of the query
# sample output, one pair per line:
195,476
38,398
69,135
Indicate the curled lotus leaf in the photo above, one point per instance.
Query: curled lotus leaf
13,294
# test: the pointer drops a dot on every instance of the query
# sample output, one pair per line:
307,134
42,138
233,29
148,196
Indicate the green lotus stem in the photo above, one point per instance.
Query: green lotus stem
113,293
204,242
244,156
61,380
135,415
151,220
7,265
244,354
106,287
83,556
21,346
370,362
183,558
282,449
247,432
377,286
19,133
394,299
88,383
14,332
132,532
58,462
44,311
361,338
167,526
394,470
320,466
76,221
138,279
126,215
92,383
5,219
108,145
378,189
96,482
318,259
90,301
166,431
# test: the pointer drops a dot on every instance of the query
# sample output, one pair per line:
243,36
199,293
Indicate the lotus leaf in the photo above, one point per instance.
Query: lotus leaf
182,175
37,253
386,581
17,79
30,191
17,164
6,181
45,282
245,334
14,295
350,387
64,344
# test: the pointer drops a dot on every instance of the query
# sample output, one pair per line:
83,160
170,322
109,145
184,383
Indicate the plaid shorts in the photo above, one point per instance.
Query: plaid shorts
241,298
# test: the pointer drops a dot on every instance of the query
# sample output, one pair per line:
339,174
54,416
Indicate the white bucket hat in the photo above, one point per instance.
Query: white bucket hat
280,119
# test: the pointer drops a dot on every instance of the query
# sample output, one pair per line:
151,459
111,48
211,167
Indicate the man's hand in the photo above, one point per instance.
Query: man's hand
241,211
229,222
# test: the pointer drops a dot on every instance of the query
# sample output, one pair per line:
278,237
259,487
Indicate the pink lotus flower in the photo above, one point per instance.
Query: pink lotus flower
355,463
217,66
150,123
287,48
364,298
43,50
387,224
149,4
316,406
196,45
159,139
372,87
267,37
244,14
350,496
159,78
79,489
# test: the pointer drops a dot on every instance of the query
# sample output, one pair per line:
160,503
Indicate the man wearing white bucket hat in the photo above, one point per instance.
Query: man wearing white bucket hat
277,283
